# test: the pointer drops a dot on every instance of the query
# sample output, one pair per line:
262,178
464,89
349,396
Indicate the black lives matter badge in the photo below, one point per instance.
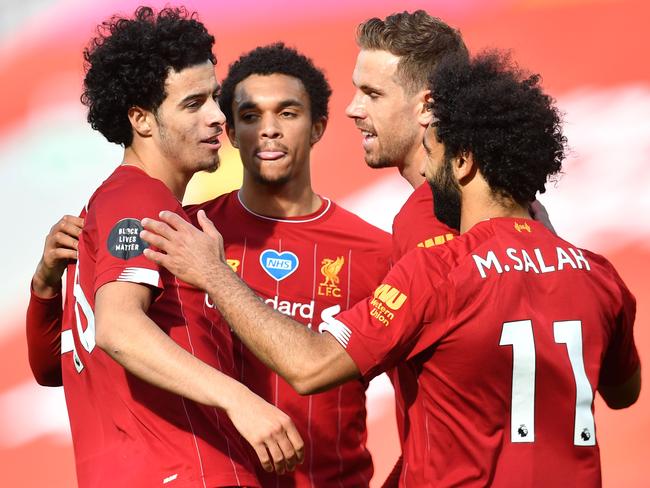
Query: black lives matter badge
124,241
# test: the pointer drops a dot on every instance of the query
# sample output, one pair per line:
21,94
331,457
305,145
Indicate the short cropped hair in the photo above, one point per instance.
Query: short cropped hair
128,62
490,108
277,59
419,39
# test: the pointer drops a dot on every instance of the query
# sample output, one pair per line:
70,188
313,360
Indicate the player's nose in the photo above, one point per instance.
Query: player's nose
215,114
355,109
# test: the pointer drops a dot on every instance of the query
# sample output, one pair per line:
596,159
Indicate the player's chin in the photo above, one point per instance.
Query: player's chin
210,166
377,162
275,179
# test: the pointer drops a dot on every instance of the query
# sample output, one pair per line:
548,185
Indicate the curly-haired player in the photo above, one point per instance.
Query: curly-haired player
147,372
509,329
334,257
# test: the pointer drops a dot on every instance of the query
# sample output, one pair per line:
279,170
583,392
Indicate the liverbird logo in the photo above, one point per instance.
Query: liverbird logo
330,268
521,227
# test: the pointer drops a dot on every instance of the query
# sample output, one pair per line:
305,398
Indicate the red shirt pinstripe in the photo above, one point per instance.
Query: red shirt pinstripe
125,431
307,267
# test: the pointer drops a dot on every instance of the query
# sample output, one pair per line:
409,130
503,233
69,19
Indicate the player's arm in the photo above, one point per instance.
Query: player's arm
44,312
130,337
309,361
624,395
620,372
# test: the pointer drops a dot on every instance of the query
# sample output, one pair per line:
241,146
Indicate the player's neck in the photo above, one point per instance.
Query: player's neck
157,168
281,201
410,169
484,205
414,178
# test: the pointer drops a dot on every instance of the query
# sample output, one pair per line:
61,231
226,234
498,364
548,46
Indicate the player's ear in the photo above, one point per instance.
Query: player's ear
424,114
232,135
141,120
464,166
317,130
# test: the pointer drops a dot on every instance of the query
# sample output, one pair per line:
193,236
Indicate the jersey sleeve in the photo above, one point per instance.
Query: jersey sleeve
622,358
115,216
43,330
401,319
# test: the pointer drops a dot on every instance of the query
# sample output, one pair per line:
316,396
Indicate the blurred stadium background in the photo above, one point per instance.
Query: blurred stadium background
591,54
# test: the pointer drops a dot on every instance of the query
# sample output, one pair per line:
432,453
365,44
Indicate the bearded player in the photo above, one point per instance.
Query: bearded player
511,329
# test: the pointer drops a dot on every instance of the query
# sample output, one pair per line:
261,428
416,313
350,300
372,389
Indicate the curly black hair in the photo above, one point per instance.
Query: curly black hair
490,108
129,60
272,59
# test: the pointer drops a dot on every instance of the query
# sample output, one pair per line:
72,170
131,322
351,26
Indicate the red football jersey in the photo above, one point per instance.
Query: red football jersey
509,331
127,432
309,267
416,225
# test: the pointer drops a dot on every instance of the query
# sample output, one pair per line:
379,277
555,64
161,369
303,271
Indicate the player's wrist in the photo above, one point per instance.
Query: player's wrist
214,276
231,399
43,287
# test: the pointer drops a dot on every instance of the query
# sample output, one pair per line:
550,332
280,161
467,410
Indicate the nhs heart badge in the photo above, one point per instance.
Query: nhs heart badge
278,265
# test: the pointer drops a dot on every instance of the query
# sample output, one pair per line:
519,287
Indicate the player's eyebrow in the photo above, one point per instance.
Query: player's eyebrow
368,88
191,97
290,102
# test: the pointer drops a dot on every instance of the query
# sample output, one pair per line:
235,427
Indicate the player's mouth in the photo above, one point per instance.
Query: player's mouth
271,153
213,142
369,138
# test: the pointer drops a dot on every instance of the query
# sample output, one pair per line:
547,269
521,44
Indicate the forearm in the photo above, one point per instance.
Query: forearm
143,349
43,331
307,360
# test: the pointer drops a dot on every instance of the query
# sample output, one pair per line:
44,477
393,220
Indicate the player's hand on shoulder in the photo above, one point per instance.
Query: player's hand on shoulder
270,431
187,252
61,245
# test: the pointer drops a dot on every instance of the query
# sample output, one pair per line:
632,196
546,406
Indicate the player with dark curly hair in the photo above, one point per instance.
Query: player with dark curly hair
509,329
302,253
334,258
515,139
148,370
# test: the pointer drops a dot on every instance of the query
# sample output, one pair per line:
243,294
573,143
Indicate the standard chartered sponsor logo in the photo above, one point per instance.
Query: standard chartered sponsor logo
292,309
296,310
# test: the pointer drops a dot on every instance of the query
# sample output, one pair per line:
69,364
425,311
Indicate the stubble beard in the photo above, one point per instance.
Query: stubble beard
173,150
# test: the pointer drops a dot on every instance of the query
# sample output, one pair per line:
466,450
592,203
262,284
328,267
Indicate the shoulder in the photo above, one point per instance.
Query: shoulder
214,206
354,225
131,193
132,185
419,204
608,273
341,215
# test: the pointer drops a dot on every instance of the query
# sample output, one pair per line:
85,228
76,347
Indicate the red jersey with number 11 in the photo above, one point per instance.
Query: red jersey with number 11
509,330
